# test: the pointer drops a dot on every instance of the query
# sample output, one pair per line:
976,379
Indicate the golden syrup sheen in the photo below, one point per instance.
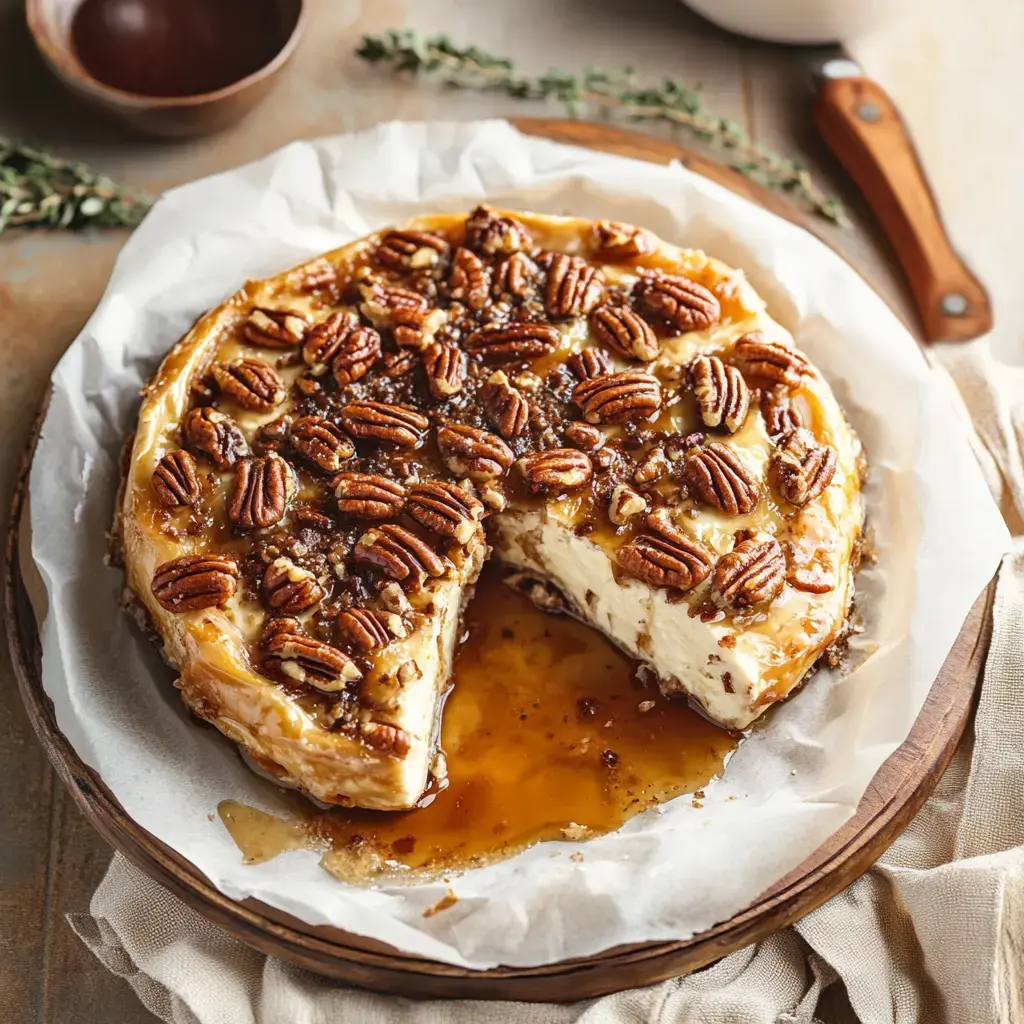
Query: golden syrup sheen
548,734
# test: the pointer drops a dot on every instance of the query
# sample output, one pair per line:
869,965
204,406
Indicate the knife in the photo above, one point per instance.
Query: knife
863,128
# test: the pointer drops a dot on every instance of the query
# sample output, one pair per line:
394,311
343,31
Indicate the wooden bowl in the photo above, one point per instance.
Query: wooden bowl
50,22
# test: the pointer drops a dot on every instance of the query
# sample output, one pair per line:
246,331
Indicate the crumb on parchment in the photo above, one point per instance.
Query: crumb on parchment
449,899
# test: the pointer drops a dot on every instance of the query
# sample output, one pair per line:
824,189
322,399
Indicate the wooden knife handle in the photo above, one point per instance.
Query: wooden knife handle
862,126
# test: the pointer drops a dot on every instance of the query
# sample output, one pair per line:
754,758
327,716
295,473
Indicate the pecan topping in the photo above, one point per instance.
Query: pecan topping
556,470
398,364
722,393
410,250
274,328
499,343
364,630
408,313
388,739
490,233
470,280
625,331
446,369
813,578
368,495
304,660
585,436
195,581
780,417
400,554
684,303
625,503
591,362
720,479
252,383
803,467
573,286
615,397
446,509
214,435
663,556
766,363
325,339
175,479
289,588
469,451
516,275
506,407
263,488
615,241
752,573
320,441
396,424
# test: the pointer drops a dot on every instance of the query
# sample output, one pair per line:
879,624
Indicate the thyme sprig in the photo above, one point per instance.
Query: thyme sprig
40,190
609,92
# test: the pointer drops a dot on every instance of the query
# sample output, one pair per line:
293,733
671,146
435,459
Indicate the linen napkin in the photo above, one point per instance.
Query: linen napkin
933,932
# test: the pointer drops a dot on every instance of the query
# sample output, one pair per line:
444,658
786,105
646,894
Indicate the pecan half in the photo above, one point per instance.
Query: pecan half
388,739
664,556
176,479
368,495
517,276
653,467
615,241
722,393
591,362
470,279
252,383
684,303
556,470
263,488
573,286
215,435
446,369
498,343
812,579
410,250
470,451
446,509
585,436
323,443
767,363
752,573
616,397
780,416
489,232
379,421
407,312
356,354
325,339
364,630
288,651
400,554
398,364
505,407
289,588
195,581
626,332
274,328
803,467
719,478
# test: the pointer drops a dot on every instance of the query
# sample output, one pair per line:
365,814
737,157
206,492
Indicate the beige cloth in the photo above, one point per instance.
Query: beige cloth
934,933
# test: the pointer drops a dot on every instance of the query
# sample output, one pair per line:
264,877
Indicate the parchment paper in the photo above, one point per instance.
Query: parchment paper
670,873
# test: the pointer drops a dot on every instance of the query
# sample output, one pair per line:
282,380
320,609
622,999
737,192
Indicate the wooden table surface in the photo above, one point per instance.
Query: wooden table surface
50,859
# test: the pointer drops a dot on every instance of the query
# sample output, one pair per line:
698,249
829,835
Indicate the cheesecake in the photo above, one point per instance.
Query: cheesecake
323,464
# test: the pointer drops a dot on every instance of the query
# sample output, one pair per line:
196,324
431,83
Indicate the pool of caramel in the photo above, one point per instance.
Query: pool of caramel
548,734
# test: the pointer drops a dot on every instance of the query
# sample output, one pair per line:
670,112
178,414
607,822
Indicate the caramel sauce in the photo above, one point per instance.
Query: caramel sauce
548,735
178,47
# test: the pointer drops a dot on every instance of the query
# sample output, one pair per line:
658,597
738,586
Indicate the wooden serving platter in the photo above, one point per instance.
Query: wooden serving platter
896,793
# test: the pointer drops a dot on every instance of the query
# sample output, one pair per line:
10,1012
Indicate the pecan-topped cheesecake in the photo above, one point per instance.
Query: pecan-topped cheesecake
325,461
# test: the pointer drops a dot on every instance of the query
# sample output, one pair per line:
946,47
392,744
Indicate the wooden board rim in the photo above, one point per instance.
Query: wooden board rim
894,796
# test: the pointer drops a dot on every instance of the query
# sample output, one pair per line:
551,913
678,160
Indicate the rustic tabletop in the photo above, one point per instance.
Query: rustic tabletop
50,859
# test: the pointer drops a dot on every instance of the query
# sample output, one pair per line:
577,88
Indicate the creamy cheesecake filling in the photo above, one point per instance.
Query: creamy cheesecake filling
316,462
